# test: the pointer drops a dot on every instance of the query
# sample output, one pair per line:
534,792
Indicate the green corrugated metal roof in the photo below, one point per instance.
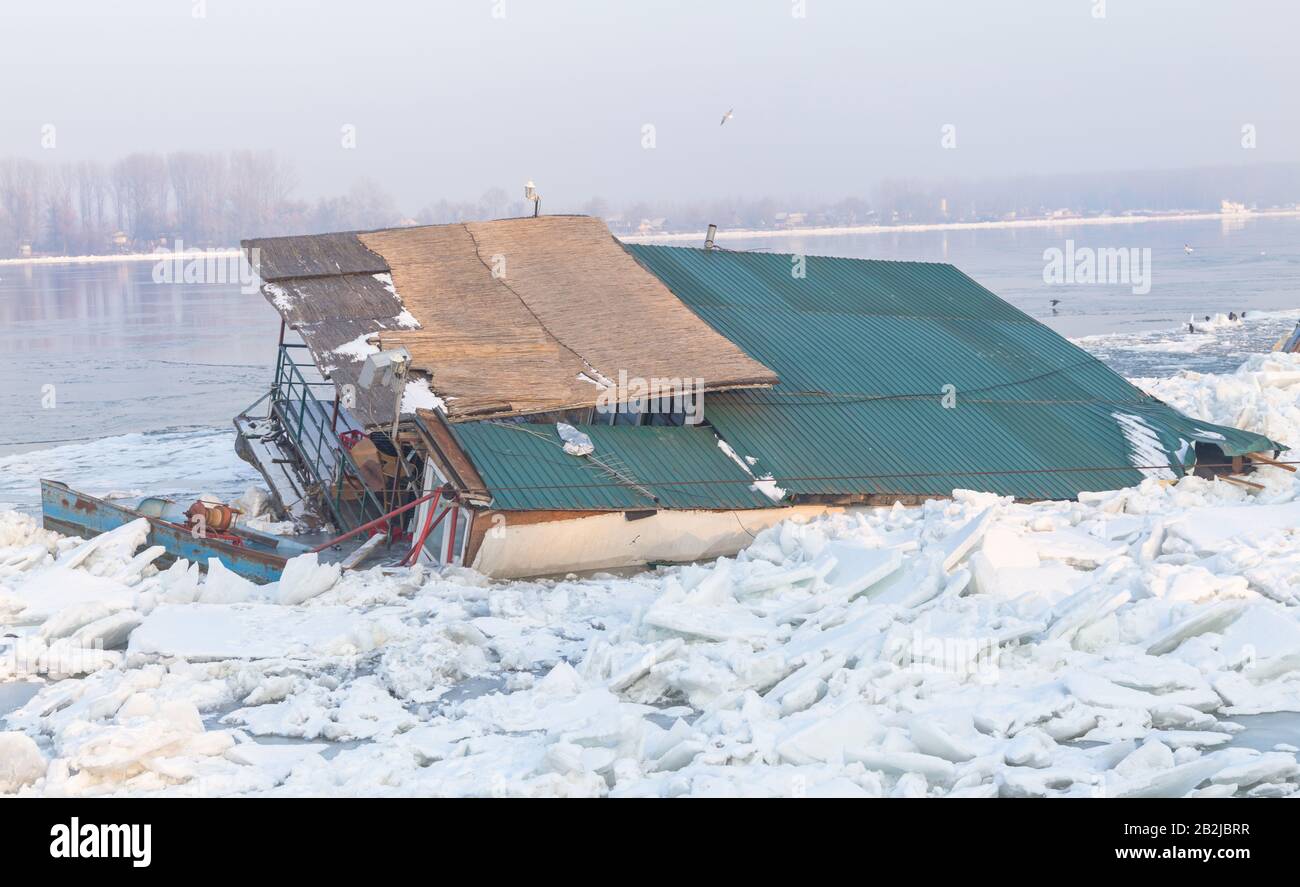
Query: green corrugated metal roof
525,468
863,349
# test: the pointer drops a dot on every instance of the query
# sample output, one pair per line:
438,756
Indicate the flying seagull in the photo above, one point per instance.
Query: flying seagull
727,116
1187,248
1055,302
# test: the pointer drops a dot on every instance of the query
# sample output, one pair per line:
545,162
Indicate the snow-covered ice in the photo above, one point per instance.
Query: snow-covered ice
970,647
185,464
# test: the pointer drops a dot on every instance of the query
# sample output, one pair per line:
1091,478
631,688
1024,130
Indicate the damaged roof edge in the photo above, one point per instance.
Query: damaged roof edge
423,288
305,255
311,255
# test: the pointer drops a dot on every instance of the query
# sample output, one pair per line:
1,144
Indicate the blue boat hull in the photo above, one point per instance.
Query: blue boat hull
66,511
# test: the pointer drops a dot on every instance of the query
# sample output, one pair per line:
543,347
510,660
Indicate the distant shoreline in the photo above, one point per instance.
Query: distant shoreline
744,234
224,253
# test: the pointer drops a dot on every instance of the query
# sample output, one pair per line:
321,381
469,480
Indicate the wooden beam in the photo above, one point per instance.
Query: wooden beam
1269,460
451,459
367,548
1241,483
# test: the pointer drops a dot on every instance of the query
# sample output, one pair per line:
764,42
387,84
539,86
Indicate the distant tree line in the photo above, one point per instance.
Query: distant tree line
146,200
143,200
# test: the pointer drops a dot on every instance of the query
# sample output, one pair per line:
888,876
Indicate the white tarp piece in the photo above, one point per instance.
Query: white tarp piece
576,443
1115,646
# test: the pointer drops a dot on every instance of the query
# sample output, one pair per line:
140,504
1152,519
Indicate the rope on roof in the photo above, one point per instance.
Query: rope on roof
604,467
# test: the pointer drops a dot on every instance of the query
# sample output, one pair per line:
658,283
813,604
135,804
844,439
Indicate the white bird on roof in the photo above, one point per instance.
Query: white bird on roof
727,116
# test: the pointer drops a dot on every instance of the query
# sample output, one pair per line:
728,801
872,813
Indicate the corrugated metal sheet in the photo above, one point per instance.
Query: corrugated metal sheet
864,349
525,468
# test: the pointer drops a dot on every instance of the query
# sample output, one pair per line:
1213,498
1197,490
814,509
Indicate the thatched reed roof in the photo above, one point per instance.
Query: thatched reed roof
507,317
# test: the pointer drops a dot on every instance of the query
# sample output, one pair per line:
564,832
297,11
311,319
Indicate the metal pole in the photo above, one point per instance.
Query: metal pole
377,521
397,447
451,533
430,523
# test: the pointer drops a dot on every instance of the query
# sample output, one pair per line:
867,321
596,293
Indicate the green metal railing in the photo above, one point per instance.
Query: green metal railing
309,423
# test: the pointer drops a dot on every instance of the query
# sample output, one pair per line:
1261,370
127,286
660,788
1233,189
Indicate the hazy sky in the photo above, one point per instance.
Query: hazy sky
448,99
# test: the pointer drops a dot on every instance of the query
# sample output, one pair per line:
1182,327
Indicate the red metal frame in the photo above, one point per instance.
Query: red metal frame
379,520
451,535
429,524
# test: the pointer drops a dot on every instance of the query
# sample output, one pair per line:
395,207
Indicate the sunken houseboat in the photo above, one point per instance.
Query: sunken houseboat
532,396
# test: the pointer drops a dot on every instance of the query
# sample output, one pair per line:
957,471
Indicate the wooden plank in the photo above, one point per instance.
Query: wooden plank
1269,460
366,549
456,464
1241,483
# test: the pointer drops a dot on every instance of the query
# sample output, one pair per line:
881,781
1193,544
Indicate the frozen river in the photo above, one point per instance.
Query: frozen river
1127,632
